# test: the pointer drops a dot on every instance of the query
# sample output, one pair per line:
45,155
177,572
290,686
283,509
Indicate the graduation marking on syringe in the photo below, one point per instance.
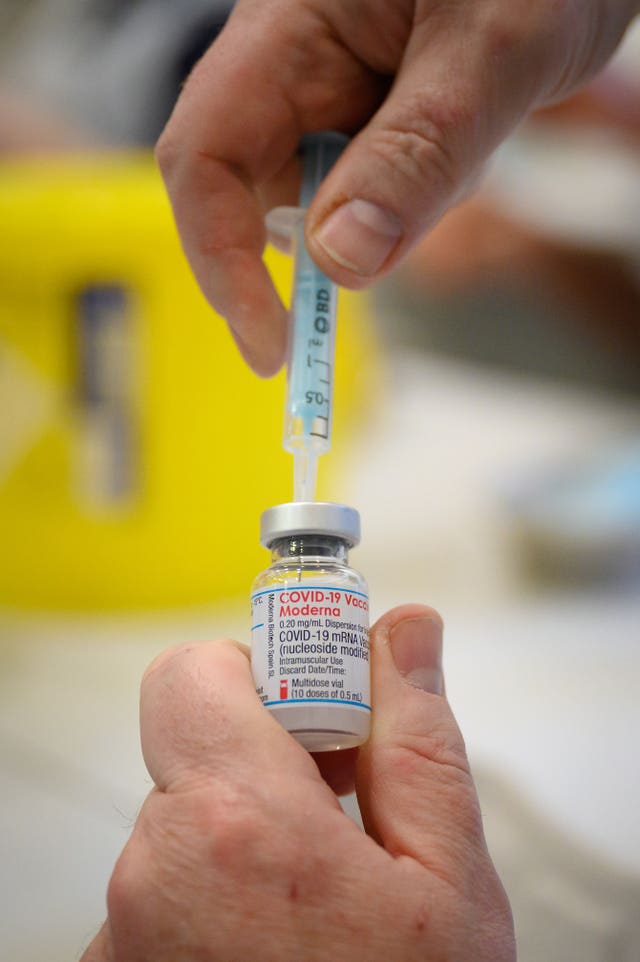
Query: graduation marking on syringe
324,380
318,434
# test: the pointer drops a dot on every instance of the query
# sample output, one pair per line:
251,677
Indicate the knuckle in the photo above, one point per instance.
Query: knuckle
439,760
533,37
229,822
161,661
495,931
226,813
411,758
162,682
207,835
166,151
189,654
126,892
481,914
420,153
507,30
442,745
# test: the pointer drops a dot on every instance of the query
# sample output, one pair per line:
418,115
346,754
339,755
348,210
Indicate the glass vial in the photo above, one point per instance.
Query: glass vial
310,626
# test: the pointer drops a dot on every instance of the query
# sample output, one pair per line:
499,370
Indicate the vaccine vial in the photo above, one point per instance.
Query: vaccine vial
310,626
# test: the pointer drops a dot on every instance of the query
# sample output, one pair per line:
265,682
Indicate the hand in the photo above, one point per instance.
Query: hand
428,88
242,852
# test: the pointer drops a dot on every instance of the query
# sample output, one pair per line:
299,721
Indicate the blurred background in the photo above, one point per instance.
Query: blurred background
487,427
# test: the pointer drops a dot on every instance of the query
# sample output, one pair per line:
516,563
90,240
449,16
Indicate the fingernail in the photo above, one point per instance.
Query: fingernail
359,236
416,645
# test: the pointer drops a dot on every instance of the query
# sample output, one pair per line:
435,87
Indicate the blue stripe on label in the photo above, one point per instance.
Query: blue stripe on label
261,625
329,701
306,587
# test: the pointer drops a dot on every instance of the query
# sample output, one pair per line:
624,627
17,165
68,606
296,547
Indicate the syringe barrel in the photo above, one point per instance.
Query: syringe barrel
312,350
313,319
320,151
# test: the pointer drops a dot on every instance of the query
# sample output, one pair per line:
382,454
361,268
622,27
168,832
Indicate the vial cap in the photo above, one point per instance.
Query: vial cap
309,517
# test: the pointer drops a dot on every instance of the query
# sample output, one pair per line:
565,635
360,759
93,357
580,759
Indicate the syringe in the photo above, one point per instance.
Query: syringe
312,330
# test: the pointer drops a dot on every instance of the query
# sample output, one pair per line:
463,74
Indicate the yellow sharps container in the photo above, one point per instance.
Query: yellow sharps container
136,448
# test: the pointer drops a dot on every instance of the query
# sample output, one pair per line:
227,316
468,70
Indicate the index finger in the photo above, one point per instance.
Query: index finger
212,155
274,73
200,718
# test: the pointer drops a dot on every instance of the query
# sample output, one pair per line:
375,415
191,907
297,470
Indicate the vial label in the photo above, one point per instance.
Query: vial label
311,644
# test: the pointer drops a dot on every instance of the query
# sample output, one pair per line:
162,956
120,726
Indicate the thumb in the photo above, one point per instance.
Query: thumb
469,74
413,781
